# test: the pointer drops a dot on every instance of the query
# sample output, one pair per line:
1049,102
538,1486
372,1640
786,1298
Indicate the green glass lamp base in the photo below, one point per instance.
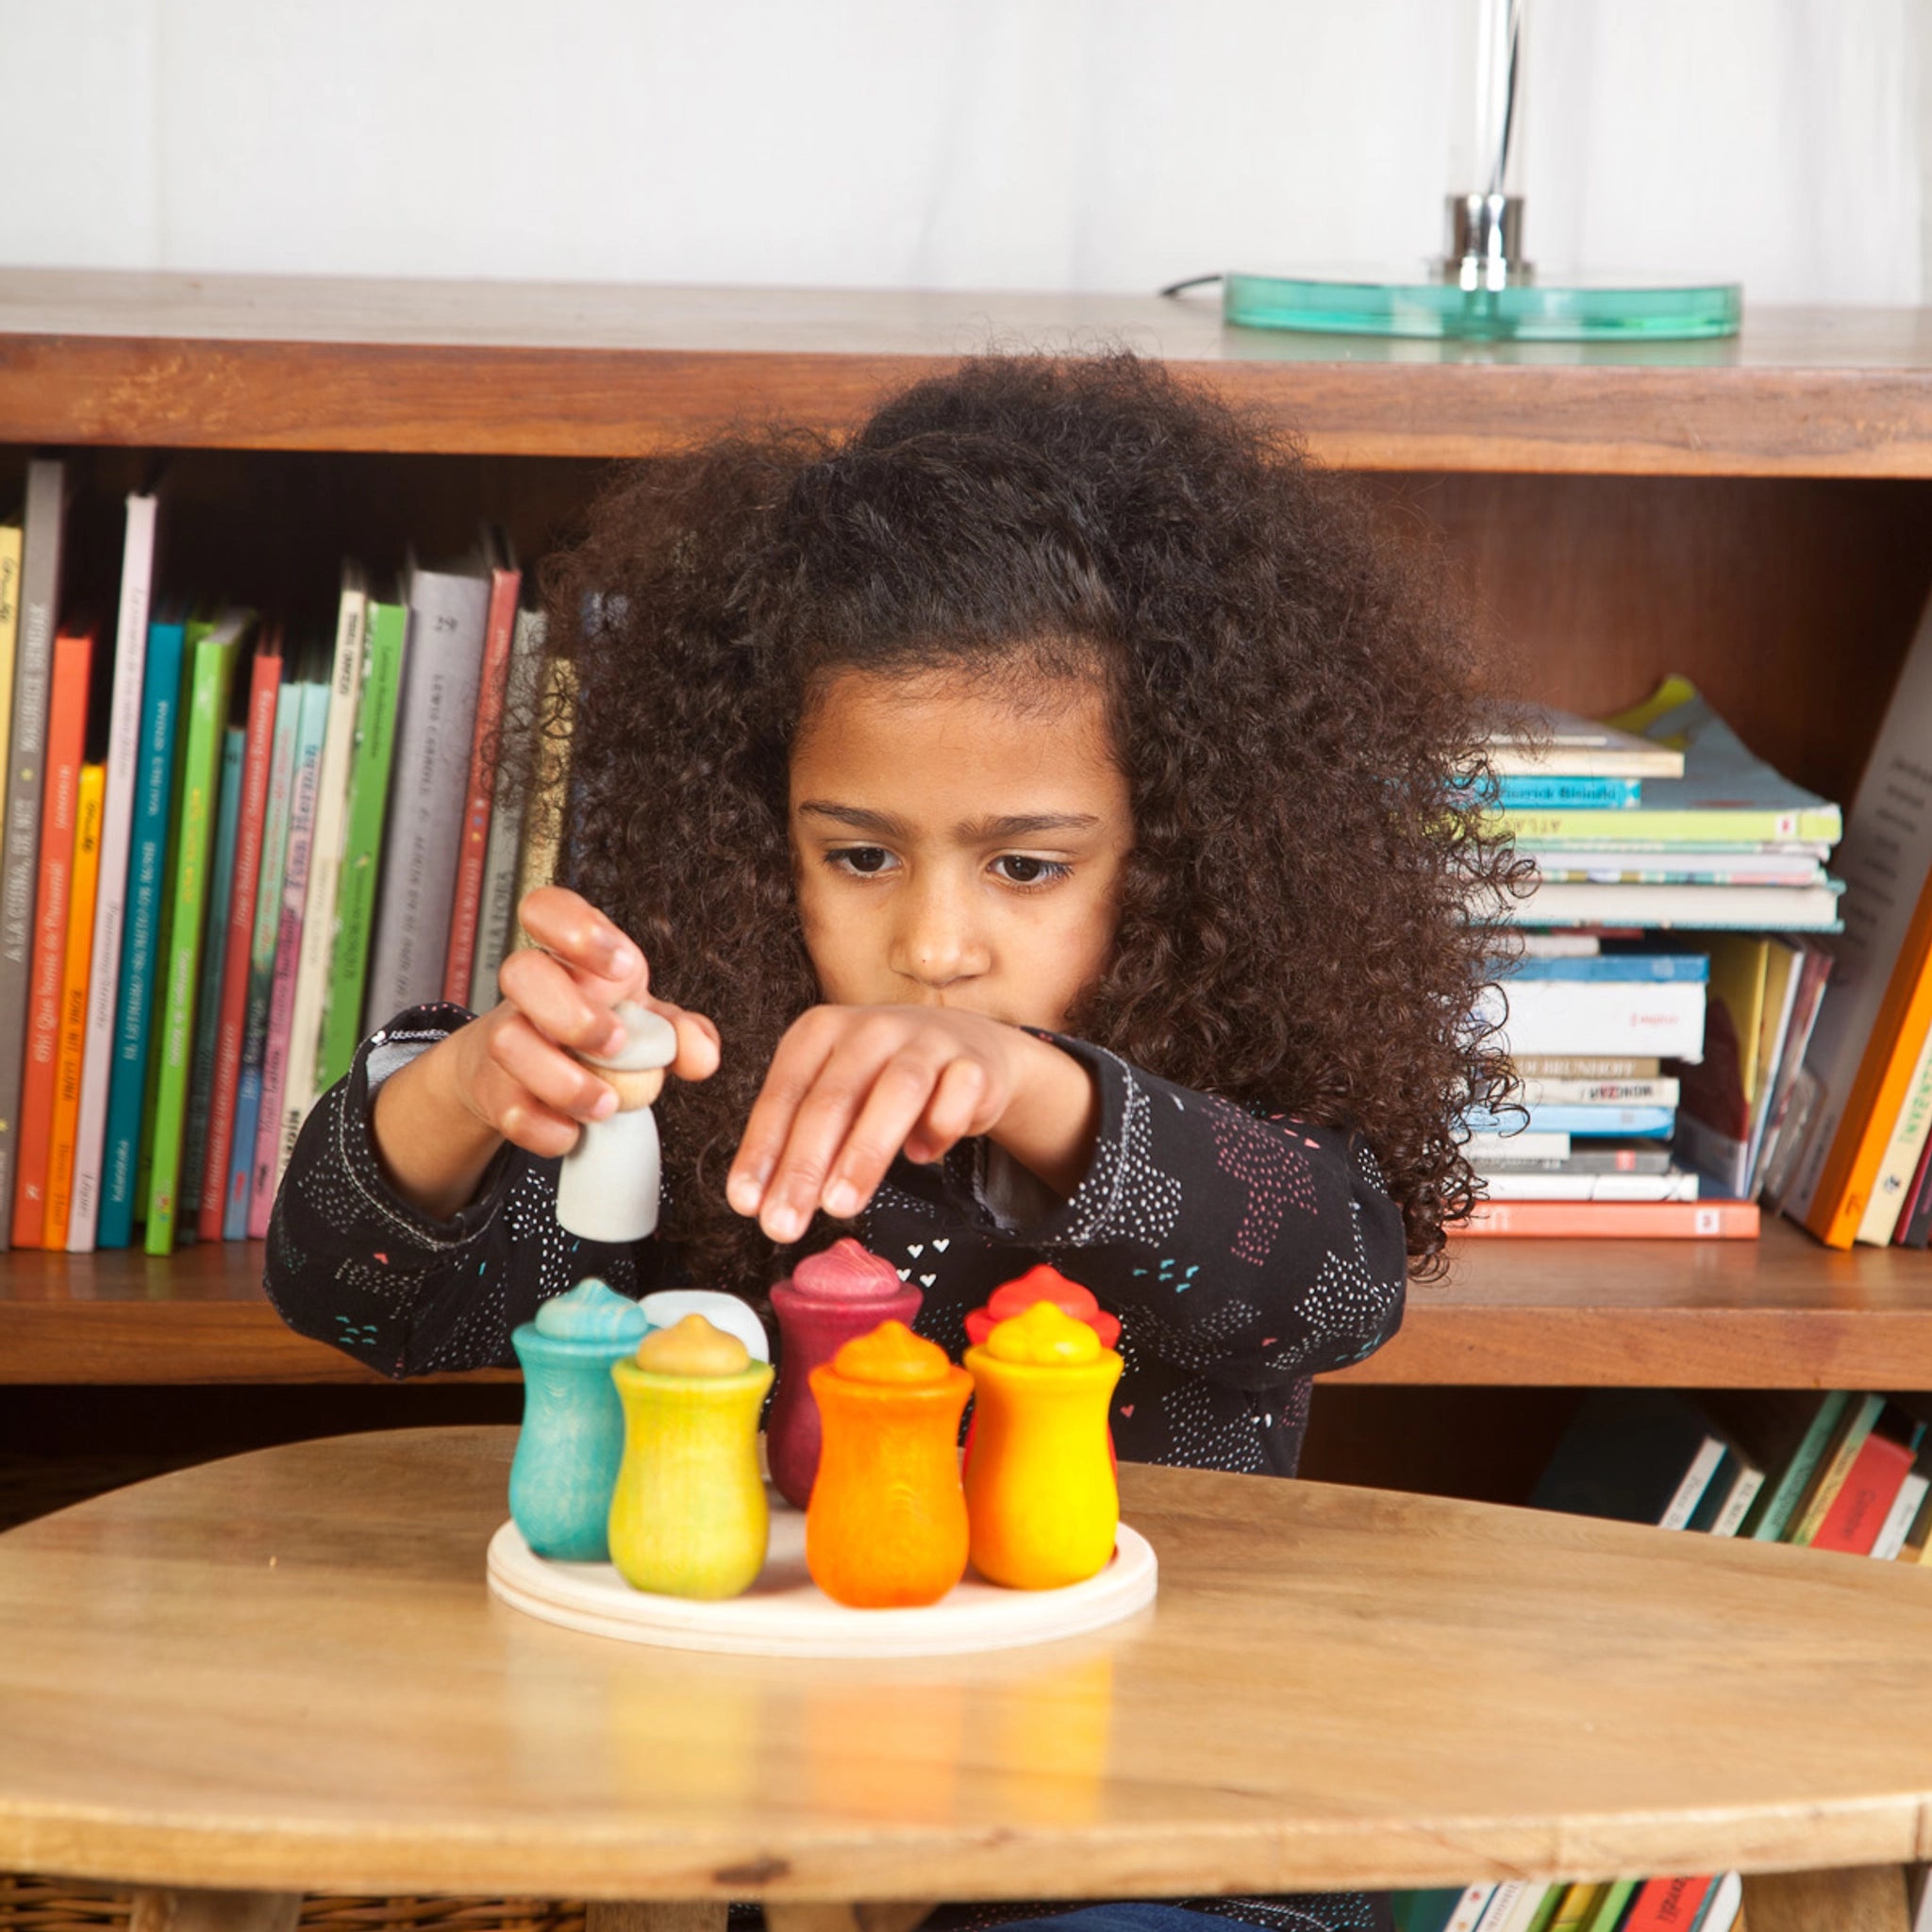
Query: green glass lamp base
1573,310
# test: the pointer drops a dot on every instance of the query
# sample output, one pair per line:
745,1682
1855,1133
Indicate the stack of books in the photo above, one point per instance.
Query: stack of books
227,856
1684,829
1657,1034
1832,1470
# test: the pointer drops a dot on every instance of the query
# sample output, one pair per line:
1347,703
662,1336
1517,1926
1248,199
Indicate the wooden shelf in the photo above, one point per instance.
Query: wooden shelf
252,362
1782,1312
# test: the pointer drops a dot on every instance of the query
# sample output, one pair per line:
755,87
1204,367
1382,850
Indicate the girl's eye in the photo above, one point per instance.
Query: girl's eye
867,862
1023,871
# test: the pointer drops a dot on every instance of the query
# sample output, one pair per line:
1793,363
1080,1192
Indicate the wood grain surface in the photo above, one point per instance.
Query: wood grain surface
262,363
1777,1313
283,1672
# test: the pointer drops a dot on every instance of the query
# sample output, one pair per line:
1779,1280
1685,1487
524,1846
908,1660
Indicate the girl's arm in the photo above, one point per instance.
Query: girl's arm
354,1262
1254,1251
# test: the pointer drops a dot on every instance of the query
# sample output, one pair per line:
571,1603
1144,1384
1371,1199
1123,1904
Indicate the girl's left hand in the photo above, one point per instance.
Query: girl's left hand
850,1087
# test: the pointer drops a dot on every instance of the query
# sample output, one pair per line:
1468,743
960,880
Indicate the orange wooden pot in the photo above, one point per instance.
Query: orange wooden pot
886,1522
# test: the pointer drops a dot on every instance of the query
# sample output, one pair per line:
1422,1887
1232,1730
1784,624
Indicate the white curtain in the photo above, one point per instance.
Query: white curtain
1096,144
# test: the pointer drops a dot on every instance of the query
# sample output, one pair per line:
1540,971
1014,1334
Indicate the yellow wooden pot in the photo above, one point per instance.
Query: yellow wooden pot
1040,1486
688,1516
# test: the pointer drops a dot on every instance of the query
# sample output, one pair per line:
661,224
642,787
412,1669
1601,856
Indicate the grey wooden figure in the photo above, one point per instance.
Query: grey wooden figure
608,1188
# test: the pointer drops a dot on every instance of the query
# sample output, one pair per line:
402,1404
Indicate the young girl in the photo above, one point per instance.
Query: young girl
1043,817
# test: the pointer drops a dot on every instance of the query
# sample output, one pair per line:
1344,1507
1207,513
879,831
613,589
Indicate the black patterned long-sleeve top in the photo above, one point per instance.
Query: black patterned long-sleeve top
1243,1255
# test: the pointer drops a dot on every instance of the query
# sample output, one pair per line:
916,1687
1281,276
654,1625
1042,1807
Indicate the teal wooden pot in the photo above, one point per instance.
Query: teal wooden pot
570,1446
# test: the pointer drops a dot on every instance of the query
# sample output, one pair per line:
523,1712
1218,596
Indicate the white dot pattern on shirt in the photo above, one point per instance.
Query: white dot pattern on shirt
1125,1196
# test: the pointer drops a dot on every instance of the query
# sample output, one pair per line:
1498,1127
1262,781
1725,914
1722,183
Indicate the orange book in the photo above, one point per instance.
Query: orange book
459,956
1879,1094
80,947
60,794
1650,1221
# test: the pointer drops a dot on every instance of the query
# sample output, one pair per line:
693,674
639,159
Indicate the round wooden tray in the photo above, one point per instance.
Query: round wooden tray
786,1614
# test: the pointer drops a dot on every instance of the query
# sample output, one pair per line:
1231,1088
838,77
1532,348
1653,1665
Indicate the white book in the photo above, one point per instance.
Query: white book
1589,1186
1477,1148
1468,1909
1799,865
1683,1505
1573,747
1884,861
1661,1092
1511,1906
1726,1901
1670,908
325,845
1737,1505
496,919
1899,1518
422,829
111,893
1599,1019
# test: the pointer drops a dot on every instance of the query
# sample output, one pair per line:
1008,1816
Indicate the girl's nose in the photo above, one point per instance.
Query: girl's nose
937,942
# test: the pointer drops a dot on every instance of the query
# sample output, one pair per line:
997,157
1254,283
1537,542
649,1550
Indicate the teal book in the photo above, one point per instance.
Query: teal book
201,769
160,707
1786,1433
290,701
368,770
198,628
208,1000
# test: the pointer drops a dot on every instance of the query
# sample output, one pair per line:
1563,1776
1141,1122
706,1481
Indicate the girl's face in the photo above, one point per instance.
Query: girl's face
955,848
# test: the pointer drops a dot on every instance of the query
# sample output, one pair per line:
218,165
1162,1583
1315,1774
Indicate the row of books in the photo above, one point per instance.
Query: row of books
1863,1105
242,854
1833,1470
1710,1903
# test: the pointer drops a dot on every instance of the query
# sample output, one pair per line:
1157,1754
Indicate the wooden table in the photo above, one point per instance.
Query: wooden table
282,1673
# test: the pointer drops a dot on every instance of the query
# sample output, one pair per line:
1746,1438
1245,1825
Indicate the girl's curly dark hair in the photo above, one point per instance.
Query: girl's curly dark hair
1293,702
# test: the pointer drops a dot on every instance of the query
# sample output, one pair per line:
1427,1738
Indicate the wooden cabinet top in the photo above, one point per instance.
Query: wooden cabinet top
259,362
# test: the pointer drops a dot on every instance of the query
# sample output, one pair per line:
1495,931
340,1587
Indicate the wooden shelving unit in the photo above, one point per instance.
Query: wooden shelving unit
1753,513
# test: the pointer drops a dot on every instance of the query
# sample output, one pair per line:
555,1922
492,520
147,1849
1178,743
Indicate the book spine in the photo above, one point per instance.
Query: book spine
66,735
231,1032
1717,825
424,833
206,715
291,955
10,535
375,719
1890,1540
207,997
1899,1161
1858,1512
111,893
1744,1491
1914,1229
261,959
1783,1496
1613,1905
73,989
1632,1220
1553,1016
39,591
459,954
348,681
1690,1492
1520,792
1536,1066
1668,1905
147,847
1859,1420
543,811
499,914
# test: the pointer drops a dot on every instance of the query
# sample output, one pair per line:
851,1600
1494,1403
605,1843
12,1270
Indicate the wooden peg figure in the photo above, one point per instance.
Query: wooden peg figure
608,1188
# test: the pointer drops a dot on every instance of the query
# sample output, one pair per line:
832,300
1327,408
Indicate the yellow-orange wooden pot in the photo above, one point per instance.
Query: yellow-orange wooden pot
887,1520
1039,1488
689,1515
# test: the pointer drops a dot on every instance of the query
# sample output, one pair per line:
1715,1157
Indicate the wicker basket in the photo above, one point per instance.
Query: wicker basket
45,1905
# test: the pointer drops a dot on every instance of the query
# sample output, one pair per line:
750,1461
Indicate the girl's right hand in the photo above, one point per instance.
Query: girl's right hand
515,1067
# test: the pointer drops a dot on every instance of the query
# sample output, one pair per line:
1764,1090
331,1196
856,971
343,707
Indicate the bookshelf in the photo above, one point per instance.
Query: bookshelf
1753,513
